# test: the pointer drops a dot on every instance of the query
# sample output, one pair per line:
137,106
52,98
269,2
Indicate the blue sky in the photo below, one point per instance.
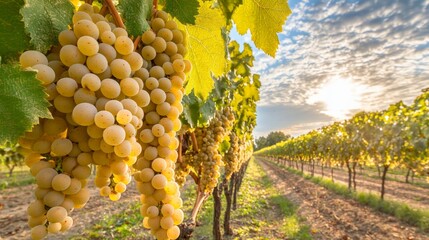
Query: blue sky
339,57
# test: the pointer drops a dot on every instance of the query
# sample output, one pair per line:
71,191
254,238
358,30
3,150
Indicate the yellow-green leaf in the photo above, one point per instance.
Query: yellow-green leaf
206,49
265,19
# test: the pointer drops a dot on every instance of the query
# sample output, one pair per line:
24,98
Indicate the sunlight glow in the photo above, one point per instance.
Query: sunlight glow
340,97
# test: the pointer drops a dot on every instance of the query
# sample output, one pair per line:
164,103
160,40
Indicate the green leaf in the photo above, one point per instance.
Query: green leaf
135,13
191,109
265,19
13,38
206,50
207,112
220,88
45,19
196,112
184,11
22,102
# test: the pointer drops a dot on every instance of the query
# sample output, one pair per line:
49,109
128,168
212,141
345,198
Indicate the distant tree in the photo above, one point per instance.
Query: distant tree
260,143
11,158
271,139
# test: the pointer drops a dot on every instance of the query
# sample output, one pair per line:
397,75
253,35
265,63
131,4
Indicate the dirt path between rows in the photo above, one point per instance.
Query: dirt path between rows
14,203
332,216
414,196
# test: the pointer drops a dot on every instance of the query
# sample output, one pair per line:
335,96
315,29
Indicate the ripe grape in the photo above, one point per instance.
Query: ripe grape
87,45
31,58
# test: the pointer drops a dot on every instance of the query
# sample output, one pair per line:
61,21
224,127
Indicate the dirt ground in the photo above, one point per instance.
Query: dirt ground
330,216
334,217
14,202
414,196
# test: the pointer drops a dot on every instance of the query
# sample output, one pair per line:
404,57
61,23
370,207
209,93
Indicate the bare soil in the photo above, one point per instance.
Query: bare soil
414,196
331,216
14,202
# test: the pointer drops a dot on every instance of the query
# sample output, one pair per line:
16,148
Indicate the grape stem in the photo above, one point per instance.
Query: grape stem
89,1
194,142
155,4
104,9
115,13
179,158
136,42
195,177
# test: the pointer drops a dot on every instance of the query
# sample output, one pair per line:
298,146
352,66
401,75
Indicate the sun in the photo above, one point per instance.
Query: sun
339,96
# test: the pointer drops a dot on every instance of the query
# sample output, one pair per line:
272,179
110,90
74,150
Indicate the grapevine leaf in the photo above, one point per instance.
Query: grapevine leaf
135,13
220,88
13,38
45,19
229,6
256,80
22,102
207,111
191,109
206,50
196,112
252,92
184,11
265,19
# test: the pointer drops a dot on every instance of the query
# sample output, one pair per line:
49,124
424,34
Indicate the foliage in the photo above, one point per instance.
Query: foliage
264,19
11,157
44,20
205,49
271,139
18,178
22,102
184,11
13,37
135,13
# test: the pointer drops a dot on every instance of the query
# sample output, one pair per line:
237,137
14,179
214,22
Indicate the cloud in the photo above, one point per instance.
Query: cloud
381,45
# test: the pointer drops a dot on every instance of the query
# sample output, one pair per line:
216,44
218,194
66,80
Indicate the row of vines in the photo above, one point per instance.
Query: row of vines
150,91
396,138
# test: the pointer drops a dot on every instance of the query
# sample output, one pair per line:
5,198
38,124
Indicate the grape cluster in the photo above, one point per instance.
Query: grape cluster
162,48
209,155
207,160
232,157
183,168
110,106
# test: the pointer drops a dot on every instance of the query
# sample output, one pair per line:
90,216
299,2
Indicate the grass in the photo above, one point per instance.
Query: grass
415,183
18,178
124,225
415,217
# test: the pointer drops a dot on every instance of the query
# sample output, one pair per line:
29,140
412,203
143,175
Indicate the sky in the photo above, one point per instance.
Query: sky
339,57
